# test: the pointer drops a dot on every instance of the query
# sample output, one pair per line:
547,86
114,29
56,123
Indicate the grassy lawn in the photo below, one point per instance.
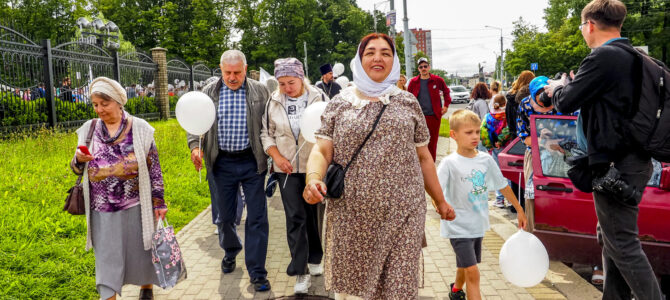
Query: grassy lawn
444,128
42,247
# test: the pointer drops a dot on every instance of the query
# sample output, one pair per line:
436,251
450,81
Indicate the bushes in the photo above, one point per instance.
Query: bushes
41,247
19,112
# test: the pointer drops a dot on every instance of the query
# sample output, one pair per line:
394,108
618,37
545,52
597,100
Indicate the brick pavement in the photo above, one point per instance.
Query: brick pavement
203,255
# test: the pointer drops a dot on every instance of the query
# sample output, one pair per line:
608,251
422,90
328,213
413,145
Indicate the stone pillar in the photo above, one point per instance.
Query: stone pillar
161,82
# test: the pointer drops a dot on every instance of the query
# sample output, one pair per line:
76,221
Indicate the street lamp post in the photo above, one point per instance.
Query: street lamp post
374,9
501,49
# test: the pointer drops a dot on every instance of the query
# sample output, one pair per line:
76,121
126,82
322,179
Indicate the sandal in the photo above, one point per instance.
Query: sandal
597,277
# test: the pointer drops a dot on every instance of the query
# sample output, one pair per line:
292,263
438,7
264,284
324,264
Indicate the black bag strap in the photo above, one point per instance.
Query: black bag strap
88,142
374,126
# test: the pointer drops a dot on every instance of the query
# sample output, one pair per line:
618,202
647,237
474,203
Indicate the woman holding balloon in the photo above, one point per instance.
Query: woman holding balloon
375,230
283,141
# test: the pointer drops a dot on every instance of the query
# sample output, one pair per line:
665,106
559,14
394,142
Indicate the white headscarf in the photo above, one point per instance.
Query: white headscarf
109,87
370,87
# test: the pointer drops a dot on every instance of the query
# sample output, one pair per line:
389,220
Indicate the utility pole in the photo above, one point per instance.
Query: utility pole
304,43
392,29
408,47
501,49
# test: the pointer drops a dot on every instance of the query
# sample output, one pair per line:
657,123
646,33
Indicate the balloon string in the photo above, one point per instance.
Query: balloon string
200,156
292,160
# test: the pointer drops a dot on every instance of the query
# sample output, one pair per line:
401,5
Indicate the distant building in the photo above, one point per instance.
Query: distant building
424,42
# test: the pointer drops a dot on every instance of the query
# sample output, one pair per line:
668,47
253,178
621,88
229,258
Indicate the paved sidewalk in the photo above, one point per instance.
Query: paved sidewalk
203,255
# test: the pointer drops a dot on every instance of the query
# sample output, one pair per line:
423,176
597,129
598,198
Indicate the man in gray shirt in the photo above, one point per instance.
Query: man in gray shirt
427,89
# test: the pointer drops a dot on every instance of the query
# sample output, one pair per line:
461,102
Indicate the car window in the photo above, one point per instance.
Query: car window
556,139
458,89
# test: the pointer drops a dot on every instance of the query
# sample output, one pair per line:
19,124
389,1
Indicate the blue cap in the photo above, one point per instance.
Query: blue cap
537,84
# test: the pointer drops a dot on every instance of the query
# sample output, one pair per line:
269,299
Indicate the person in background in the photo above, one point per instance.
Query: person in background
402,82
123,192
478,100
66,90
427,87
283,141
495,90
495,135
234,155
327,83
514,96
374,231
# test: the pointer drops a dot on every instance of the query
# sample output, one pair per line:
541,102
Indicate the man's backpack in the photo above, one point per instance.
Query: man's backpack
649,126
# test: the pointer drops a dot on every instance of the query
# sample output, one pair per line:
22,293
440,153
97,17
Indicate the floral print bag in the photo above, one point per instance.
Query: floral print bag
166,256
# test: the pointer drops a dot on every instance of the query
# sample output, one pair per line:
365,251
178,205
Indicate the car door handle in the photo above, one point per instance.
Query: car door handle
553,188
515,164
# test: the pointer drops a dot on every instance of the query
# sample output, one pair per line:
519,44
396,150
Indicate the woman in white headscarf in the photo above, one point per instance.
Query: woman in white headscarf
374,231
123,191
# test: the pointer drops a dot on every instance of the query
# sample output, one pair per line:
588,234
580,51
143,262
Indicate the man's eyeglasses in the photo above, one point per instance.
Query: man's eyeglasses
423,67
582,25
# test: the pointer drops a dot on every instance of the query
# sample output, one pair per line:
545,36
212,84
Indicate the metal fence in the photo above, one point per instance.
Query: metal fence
45,85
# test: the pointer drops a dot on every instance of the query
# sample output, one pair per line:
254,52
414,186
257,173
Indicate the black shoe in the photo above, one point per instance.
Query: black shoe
146,294
460,295
261,284
227,266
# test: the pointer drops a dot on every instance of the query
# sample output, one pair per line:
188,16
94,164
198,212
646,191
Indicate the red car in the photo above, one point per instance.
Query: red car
565,218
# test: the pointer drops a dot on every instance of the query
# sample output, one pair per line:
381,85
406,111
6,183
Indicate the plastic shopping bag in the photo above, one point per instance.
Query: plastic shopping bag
166,256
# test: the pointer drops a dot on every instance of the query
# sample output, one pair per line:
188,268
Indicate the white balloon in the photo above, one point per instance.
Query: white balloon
195,112
523,259
338,69
343,81
311,120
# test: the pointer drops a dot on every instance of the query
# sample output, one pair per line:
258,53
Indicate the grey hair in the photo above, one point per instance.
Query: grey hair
233,56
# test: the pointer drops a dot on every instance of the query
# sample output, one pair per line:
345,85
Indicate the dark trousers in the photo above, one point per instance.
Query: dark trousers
625,264
302,229
434,129
227,175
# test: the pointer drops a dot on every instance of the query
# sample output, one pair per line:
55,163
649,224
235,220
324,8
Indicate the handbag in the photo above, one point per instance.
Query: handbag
74,202
166,256
335,175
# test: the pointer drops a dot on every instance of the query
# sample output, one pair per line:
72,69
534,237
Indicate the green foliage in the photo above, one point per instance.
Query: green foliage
563,47
43,19
20,112
42,247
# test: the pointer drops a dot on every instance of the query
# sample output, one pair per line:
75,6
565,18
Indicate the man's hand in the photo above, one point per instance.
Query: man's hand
283,164
553,84
444,110
196,158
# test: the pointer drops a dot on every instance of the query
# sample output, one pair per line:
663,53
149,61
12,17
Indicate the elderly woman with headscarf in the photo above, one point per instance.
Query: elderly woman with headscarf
283,141
374,231
123,192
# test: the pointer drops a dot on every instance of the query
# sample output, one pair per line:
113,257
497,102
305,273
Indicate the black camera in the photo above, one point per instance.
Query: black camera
611,183
544,100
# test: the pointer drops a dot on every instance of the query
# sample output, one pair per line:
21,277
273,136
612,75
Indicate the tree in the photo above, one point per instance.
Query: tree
43,19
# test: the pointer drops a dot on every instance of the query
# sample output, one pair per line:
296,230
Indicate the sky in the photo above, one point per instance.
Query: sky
460,39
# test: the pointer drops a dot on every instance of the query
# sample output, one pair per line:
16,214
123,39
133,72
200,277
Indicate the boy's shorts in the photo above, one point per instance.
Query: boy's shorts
468,251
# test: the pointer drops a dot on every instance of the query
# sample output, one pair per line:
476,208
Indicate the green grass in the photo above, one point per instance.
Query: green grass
42,247
444,128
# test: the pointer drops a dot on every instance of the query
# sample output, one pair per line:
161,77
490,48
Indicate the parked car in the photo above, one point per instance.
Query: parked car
459,94
564,217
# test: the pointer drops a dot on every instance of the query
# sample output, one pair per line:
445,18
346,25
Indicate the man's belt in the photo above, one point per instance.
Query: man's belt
236,154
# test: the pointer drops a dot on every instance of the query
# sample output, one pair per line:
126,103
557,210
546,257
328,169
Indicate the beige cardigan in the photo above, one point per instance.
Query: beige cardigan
143,137
277,129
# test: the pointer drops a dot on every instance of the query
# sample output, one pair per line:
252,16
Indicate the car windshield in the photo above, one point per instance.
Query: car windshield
458,89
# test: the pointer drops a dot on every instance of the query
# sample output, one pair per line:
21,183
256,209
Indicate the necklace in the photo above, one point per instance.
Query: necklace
105,134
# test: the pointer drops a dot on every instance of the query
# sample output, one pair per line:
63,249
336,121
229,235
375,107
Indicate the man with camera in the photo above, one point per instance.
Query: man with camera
605,88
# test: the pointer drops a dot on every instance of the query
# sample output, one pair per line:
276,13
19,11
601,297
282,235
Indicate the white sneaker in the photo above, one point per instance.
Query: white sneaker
315,269
302,284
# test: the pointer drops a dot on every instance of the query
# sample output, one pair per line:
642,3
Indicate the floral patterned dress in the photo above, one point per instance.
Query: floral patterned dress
374,232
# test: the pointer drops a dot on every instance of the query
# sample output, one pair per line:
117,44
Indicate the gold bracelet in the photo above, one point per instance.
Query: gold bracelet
313,172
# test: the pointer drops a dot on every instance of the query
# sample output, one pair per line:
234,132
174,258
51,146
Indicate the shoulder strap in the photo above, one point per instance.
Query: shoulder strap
374,126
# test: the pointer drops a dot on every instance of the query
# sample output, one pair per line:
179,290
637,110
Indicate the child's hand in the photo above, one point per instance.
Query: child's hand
446,211
521,217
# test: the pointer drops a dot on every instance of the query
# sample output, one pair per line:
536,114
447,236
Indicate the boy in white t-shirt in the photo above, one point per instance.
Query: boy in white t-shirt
466,177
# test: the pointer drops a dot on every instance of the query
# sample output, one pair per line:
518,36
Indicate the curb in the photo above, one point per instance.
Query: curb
192,223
